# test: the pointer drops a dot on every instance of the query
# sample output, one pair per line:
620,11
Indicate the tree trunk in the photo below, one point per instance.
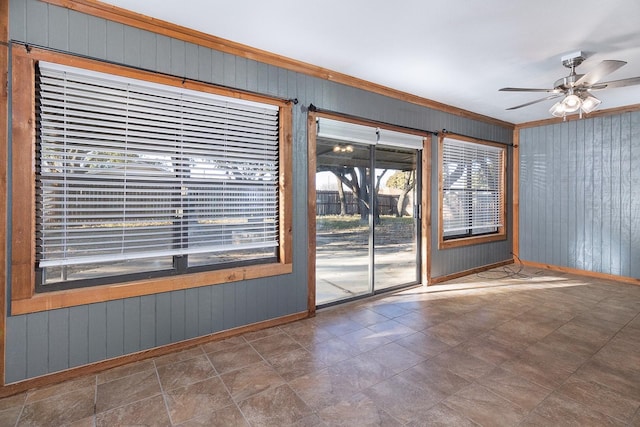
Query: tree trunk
363,195
400,205
341,197
410,183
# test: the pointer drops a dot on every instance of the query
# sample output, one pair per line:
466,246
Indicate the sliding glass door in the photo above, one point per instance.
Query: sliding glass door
343,229
367,216
396,225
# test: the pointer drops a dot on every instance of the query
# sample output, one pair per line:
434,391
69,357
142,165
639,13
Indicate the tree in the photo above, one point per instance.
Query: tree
352,177
404,181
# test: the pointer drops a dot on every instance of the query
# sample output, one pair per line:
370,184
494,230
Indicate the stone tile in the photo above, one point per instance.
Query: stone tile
620,354
538,374
389,309
262,333
453,332
309,334
322,388
552,357
428,375
332,351
127,390
235,357
341,326
594,336
462,364
197,399
295,363
391,330
394,356
635,323
58,410
277,406
515,389
250,380
13,401
226,344
312,420
125,371
607,312
85,422
600,398
275,344
484,407
151,412
623,381
365,339
430,314
442,416
486,318
186,372
423,345
539,311
367,317
629,333
419,321
60,388
225,417
9,416
357,410
559,410
402,399
360,372
180,356
529,330
490,349
572,344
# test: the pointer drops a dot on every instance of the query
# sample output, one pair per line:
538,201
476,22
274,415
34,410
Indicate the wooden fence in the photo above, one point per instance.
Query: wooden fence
328,203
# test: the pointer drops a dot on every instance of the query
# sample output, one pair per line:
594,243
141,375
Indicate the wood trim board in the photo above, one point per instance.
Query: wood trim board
123,16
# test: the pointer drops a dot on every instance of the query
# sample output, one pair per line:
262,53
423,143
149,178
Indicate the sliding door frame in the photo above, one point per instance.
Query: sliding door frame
424,215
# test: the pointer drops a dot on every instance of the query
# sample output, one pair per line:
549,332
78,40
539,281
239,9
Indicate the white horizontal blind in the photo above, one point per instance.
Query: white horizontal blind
129,169
400,139
345,131
351,132
472,193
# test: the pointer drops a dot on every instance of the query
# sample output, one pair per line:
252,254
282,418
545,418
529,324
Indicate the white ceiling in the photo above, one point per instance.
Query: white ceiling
452,51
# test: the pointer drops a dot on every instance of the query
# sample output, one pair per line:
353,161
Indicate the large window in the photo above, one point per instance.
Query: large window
472,199
139,180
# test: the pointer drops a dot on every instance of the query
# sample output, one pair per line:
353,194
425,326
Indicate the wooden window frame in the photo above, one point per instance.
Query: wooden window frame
501,234
24,299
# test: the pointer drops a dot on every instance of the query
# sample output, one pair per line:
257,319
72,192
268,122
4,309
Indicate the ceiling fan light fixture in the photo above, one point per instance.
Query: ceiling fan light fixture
557,110
571,103
590,103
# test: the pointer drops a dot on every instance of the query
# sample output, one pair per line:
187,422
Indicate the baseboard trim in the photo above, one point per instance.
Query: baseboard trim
94,368
586,273
440,279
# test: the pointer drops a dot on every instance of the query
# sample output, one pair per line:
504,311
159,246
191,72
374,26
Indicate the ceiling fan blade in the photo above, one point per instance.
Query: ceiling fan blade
619,83
602,69
527,89
536,101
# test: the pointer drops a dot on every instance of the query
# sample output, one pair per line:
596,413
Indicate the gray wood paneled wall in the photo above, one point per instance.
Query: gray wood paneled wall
47,342
579,194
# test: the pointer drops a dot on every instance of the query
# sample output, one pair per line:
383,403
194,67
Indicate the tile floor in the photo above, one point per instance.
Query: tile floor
535,349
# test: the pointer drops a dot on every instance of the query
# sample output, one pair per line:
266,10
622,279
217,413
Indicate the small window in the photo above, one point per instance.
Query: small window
472,196
137,179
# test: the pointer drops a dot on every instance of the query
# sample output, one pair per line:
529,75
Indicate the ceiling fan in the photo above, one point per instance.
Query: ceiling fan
576,88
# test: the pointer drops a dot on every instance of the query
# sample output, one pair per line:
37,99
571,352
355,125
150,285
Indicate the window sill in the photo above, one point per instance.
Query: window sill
468,241
82,296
